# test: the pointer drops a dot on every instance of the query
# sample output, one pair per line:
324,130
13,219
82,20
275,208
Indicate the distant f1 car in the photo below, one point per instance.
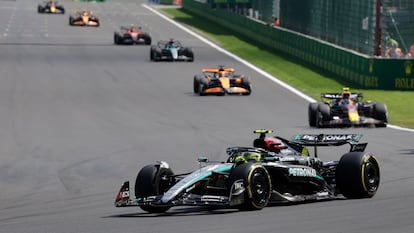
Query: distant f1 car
346,109
131,35
83,18
52,7
171,50
221,81
252,177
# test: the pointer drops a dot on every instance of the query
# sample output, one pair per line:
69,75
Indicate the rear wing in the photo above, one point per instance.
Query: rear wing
334,96
215,70
320,140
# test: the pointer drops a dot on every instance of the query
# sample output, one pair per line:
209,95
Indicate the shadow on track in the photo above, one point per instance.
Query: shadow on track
186,211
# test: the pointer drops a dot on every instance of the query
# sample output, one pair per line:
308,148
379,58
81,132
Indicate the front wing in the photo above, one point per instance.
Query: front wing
123,199
80,22
220,90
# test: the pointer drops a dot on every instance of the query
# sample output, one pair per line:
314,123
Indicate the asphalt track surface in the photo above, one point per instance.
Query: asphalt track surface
79,115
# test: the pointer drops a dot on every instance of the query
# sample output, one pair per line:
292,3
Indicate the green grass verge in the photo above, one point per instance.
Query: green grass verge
400,103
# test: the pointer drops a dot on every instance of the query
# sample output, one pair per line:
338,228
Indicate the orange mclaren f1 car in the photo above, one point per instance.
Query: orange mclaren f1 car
221,81
83,18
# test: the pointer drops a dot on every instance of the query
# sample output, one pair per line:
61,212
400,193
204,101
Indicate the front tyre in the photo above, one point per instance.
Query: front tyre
151,180
358,175
196,84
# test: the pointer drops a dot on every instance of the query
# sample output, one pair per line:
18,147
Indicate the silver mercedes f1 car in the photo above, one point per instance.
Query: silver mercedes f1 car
254,177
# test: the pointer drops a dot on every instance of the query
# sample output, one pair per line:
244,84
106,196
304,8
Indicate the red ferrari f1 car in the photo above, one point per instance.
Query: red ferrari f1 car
131,35
221,81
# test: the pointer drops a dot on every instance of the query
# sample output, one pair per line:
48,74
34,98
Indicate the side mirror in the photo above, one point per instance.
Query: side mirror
202,159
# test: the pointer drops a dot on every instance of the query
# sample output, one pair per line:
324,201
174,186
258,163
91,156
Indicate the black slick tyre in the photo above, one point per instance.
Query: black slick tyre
312,114
256,182
196,84
380,113
155,54
148,40
246,84
190,55
358,175
323,115
116,39
150,182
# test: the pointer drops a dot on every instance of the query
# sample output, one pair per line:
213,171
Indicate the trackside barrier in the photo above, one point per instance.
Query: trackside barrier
345,65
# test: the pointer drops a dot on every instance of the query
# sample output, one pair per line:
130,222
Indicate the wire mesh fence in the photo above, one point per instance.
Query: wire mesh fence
371,27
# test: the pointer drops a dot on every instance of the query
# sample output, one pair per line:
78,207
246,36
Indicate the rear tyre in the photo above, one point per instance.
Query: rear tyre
151,181
358,175
147,40
323,114
116,39
153,54
190,55
246,84
312,114
256,182
380,113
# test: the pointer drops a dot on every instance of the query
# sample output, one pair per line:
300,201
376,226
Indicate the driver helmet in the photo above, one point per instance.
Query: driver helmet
248,156
223,74
346,93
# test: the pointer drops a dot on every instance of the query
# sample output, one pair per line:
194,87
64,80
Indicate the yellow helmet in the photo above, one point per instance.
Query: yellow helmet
248,156
346,93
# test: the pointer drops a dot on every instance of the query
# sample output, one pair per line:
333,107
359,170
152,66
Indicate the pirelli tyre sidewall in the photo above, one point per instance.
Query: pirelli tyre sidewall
358,175
149,182
256,182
